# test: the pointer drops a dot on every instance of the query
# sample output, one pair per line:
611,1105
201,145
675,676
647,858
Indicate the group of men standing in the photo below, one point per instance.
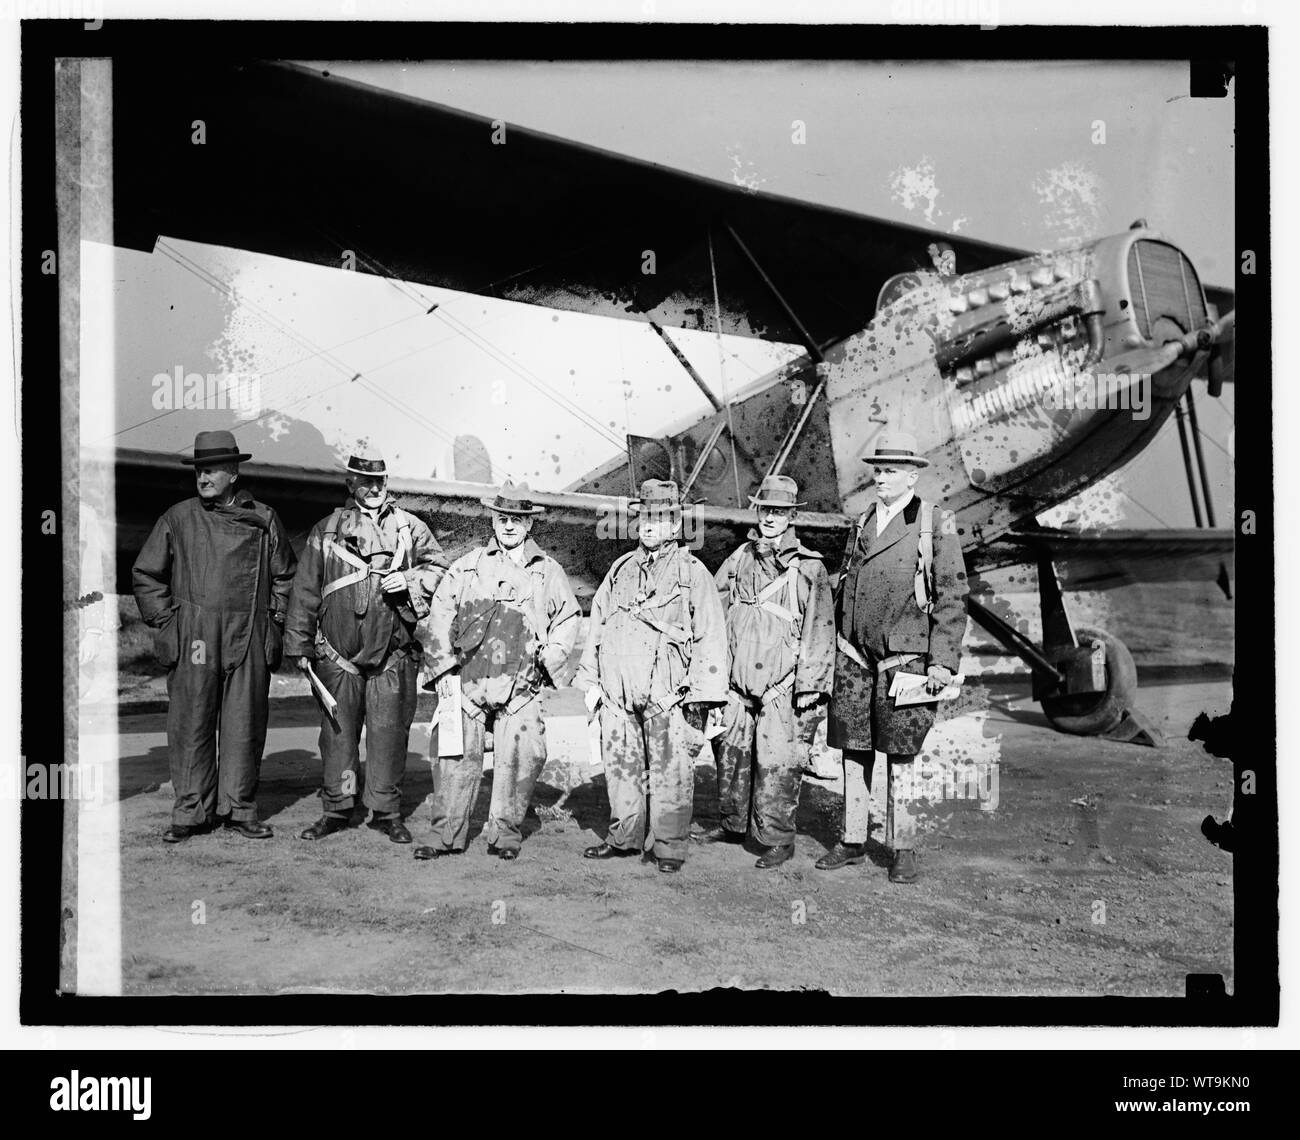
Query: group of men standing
674,656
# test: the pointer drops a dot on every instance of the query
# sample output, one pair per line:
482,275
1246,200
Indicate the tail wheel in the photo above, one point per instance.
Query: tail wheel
1087,714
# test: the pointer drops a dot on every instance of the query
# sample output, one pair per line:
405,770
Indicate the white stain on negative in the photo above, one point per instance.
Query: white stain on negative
1071,195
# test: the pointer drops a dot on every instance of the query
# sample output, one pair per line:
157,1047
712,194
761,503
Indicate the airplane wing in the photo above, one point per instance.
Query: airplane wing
423,193
1102,560
583,532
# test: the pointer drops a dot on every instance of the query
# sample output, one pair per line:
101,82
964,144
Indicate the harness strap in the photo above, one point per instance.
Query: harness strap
923,583
358,575
897,659
363,569
326,650
885,663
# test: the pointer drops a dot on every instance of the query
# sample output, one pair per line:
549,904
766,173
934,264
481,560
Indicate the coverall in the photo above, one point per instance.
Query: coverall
510,627
213,581
657,640
781,639
363,644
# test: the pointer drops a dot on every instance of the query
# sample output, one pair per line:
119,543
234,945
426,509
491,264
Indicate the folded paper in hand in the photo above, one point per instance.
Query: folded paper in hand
322,694
909,689
451,732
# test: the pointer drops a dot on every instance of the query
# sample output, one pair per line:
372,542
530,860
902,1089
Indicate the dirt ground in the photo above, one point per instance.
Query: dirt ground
1088,876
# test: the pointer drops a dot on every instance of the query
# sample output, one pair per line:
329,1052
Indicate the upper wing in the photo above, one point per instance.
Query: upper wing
300,164
1101,560
583,532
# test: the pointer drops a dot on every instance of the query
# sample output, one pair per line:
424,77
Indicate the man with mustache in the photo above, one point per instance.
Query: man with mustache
365,580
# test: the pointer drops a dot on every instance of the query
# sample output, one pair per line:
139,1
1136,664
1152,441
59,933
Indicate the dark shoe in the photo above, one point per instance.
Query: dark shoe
841,855
423,852
1221,835
394,828
178,833
719,834
508,853
250,828
326,825
904,868
605,851
670,866
775,856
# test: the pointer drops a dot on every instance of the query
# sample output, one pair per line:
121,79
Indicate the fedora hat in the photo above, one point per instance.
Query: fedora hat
514,499
215,447
776,491
896,448
657,495
366,461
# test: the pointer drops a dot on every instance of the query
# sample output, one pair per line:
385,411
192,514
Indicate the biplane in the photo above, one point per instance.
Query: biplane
984,352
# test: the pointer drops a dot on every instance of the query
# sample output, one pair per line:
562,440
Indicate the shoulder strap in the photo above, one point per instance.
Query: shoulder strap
332,525
792,585
405,545
924,583
618,565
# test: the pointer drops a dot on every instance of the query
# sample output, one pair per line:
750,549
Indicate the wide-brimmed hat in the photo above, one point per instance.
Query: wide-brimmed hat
366,461
896,448
776,491
215,447
514,499
657,496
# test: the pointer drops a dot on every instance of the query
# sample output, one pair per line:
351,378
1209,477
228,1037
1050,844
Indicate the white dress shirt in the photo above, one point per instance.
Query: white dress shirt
885,513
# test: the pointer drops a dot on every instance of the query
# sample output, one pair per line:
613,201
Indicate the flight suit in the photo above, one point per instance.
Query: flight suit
882,630
510,627
213,581
657,640
363,645
781,639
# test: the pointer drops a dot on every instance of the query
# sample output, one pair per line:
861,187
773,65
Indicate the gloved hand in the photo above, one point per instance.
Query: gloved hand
937,679
805,702
304,663
697,713
593,699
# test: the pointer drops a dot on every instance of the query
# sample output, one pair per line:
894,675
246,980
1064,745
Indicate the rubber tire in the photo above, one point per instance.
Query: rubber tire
1090,717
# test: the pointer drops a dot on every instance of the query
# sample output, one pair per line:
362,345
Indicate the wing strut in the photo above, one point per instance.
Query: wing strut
1200,458
1187,463
813,348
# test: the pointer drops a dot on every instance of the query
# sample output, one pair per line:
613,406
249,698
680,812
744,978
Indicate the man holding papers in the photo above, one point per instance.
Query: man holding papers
365,580
900,608
503,621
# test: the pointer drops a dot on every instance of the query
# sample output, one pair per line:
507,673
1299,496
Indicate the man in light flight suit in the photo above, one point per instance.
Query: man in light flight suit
505,620
655,662
781,637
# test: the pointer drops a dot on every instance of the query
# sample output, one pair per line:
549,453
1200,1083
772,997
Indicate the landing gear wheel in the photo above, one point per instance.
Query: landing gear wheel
1090,714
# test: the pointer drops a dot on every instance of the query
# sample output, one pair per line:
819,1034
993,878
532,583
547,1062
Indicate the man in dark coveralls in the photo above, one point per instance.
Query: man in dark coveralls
365,580
883,629
213,581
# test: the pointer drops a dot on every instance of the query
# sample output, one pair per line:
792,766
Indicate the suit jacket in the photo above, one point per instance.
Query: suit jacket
875,604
